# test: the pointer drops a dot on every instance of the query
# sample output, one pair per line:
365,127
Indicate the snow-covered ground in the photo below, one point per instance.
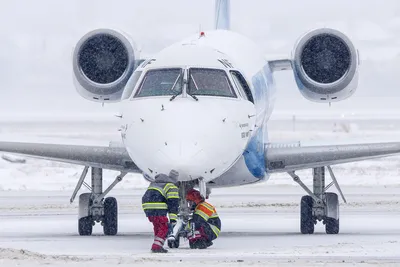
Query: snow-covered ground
260,228
260,222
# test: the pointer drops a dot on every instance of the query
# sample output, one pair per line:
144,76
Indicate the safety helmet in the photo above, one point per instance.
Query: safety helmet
195,196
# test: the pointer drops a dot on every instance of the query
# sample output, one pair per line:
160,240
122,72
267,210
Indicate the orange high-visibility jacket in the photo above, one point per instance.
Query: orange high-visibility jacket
207,212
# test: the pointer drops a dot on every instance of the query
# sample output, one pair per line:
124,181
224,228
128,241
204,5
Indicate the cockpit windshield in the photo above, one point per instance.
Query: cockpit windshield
210,82
161,82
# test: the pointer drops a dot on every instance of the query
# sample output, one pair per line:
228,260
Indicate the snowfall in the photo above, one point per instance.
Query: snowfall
260,222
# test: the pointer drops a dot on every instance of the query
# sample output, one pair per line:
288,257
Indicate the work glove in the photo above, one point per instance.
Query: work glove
193,207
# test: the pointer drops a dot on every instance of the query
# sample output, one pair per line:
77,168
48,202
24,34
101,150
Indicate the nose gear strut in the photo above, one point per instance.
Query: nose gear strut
182,228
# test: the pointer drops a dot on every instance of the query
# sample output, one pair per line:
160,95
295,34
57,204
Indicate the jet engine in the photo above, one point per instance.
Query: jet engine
325,65
103,61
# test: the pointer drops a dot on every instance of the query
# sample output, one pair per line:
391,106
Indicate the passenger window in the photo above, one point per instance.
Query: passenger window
130,85
161,82
210,82
242,85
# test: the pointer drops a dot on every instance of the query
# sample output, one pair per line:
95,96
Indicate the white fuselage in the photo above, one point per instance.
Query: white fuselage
218,138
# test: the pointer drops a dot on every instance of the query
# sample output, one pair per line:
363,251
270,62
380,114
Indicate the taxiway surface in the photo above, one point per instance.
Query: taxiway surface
260,227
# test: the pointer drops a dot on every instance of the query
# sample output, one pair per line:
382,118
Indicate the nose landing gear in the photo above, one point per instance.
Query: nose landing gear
182,228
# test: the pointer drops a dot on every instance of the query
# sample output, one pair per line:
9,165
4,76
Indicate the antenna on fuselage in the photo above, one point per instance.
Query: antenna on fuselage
222,14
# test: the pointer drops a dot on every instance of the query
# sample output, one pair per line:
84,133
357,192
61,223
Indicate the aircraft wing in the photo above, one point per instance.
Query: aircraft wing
113,158
286,159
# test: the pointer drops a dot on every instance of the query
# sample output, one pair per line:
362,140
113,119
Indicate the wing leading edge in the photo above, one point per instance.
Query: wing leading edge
282,159
113,158
297,158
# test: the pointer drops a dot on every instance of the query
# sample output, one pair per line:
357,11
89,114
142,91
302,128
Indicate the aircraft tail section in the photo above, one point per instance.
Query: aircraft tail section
222,14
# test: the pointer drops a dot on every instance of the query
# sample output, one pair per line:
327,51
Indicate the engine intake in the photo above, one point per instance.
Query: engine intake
103,61
325,65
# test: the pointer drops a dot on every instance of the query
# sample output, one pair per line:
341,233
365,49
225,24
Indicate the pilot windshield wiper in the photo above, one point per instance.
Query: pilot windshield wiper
174,96
193,96
173,86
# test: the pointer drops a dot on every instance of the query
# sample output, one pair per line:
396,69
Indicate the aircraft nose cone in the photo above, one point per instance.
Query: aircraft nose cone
182,150
198,139
183,155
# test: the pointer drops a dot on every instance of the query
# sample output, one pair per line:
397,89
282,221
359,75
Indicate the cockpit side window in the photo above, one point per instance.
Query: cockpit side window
239,87
161,82
210,82
130,85
242,85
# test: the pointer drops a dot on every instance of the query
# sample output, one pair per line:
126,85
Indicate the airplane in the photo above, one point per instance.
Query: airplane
200,106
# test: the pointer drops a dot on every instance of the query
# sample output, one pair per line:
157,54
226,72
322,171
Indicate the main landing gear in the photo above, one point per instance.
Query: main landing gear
93,207
319,205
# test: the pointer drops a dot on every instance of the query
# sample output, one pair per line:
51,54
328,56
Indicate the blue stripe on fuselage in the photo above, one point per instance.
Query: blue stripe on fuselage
254,154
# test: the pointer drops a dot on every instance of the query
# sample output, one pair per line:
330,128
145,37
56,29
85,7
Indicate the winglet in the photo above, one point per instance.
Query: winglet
222,14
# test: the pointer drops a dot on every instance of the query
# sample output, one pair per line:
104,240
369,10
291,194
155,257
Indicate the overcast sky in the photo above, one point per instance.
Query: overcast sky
38,38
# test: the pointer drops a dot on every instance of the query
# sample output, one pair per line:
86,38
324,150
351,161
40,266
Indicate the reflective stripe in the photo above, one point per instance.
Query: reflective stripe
171,191
159,239
189,226
193,235
206,211
202,214
170,186
158,243
155,205
172,195
208,206
158,189
173,216
167,187
215,229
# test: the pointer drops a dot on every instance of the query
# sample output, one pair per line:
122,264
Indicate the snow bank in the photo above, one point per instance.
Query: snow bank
22,254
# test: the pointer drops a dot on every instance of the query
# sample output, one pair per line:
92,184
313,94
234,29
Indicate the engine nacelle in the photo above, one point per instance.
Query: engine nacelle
103,61
325,65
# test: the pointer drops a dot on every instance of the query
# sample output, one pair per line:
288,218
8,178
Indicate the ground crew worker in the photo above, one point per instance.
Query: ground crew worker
207,224
160,198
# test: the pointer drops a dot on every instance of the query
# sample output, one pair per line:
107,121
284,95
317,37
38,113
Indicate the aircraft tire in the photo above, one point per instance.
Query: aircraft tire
332,224
173,243
85,226
110,221
306,216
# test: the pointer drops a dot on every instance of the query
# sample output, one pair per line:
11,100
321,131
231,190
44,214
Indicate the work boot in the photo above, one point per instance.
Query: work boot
199,244
159,250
